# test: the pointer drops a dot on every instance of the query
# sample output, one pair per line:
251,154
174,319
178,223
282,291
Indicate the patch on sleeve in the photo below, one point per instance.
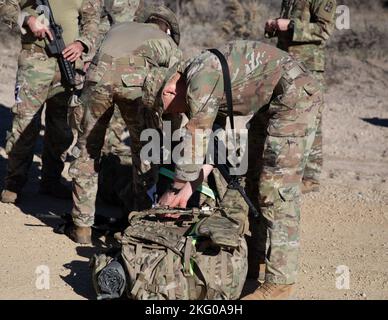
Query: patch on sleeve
329,6
17,94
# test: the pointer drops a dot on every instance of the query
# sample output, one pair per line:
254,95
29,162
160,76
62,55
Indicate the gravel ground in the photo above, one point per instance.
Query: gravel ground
345,224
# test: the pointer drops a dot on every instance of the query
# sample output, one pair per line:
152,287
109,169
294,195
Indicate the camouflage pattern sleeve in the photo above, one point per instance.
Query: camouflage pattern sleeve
125,10
27,8
90,18
205,90
176,56
164,52
323,12
9,12
140,8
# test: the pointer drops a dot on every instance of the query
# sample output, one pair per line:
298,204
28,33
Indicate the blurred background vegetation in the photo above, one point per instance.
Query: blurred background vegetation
209,23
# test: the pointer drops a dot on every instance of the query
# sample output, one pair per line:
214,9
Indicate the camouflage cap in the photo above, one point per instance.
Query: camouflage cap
164,13
154,83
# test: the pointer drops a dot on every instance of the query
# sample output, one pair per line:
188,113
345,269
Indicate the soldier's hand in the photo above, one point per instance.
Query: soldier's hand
86,66
282,24
73,51
167,198
38,29
270,26
170,197
184,195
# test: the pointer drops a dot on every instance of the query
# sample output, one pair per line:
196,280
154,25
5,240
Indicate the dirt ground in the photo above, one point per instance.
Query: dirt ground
345,224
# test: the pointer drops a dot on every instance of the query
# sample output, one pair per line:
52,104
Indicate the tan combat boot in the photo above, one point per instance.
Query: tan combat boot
254,280
309,186
9,196
271,291
81,235
262,272
258,275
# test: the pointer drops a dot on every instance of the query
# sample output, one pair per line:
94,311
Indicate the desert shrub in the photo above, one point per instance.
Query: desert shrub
206,23
367,35
210,23
245,19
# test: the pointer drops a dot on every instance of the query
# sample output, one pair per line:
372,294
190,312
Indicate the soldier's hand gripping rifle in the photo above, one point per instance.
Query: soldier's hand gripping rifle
57,45
287,7
223,166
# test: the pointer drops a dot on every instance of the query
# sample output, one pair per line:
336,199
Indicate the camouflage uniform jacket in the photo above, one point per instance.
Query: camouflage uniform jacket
255,69
78,18
113,12
9,12
117,11
314,22
146,41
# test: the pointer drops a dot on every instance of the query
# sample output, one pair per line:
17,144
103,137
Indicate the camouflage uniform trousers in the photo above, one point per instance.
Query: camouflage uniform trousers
283,136
9,12
38,81
104,87
115,175
314,164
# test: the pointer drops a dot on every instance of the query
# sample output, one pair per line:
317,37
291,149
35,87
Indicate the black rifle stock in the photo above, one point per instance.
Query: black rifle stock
233,181
57,45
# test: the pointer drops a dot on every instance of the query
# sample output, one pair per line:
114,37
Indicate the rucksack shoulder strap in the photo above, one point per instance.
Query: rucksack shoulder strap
227,83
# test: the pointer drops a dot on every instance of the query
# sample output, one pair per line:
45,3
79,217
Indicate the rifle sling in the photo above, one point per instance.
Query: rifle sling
107,12
227,84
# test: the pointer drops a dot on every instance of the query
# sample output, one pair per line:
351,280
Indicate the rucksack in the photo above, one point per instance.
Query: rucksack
198,254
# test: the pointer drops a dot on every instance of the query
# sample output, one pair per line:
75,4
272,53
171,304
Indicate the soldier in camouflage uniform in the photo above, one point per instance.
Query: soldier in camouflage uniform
39,82
303,29
264,79
116,76
115,167
117,11
9,12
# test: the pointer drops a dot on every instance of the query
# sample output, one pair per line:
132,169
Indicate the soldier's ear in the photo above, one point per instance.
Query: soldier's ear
170,89
168,94
173,85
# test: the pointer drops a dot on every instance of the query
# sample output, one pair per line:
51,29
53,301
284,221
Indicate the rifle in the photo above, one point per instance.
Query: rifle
57,45
107,12
285,13
223,166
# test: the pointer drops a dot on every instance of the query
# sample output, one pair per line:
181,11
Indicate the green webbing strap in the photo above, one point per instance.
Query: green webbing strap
202,188
188,268
170,277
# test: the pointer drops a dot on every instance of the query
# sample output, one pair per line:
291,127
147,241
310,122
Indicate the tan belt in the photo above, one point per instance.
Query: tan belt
33,47
131,61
